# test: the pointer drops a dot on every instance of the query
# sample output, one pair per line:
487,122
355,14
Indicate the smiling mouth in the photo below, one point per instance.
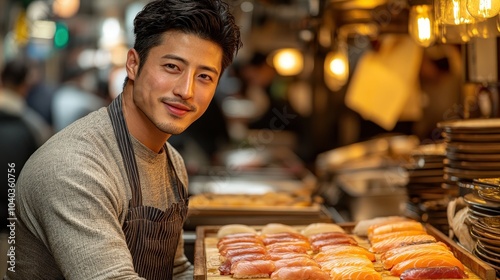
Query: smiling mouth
177,109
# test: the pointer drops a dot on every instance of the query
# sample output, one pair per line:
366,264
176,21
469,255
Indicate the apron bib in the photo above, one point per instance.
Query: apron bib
152,234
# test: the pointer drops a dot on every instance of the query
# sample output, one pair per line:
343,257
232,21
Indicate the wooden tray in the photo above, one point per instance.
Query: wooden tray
205,250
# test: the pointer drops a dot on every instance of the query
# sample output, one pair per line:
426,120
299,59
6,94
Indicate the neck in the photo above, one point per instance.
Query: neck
139,125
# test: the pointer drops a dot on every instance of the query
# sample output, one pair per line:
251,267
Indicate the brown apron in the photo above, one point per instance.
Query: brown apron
152,234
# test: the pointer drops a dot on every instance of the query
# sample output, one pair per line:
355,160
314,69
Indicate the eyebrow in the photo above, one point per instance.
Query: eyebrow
204,67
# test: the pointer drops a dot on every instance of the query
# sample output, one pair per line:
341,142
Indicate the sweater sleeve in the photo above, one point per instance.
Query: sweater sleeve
74,207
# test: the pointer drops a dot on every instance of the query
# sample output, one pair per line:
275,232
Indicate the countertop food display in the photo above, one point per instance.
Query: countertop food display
381,248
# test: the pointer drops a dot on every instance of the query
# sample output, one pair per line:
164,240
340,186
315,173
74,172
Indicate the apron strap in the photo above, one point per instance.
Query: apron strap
126,149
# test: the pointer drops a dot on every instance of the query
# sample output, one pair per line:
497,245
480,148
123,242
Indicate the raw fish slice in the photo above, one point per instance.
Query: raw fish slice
354,273
223,250
225,267
348,240
394,242
299,261
301,243
243,251
398,250
383,236
396,226
336,250
286,255
284,235
300,273
410,254
327,235
426,261
361,228
248,257
252,269
341,261
288,249
272,240
226,241
438,272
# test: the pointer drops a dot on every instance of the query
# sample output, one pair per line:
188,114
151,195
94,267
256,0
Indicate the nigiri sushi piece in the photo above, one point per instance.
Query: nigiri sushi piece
243,251
426,261
225,267
394,242
347,240
284,248
240,245
410,254
383,236
395,226
287,255
342,261
299,243
277,228
354,273
234,229
226,241
300,273
361,228
299,261
437,272
252,269
338,250
398,250
327,235
284,235
321,227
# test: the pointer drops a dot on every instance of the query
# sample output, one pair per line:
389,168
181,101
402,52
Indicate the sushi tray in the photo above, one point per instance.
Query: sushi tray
207,258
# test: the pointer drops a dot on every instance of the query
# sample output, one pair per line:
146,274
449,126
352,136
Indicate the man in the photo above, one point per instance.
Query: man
106,197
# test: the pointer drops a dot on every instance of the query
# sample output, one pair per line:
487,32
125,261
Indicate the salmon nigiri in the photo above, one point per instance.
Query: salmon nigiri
328,251
394,242
299,261
426,261
383,236
395,226
252,269
398,250
410,254
354,273
300,273
342,261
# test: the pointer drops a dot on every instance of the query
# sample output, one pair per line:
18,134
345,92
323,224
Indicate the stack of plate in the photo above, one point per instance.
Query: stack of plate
486,231
479,207
427,198
472,149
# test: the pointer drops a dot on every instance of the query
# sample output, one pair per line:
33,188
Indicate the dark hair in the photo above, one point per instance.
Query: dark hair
15,72
208,19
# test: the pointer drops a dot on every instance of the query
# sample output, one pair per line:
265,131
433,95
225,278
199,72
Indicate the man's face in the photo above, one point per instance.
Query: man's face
177,81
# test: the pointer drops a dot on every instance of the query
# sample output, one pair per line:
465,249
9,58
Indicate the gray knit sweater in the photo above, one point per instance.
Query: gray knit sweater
71,201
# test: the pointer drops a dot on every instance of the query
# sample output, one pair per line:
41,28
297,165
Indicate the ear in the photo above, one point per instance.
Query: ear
132,64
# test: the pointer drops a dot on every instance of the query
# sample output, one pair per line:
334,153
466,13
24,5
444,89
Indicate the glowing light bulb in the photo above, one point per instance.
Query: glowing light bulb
483,8
336,69
454,12
421,25
288,62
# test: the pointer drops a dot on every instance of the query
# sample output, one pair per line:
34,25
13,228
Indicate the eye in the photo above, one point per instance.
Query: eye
206,77
171,66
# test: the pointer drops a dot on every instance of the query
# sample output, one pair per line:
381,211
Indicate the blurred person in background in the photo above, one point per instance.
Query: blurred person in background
76,97
106,197
22,131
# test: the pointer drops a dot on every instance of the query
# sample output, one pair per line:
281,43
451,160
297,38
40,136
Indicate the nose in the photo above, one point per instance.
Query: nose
184,86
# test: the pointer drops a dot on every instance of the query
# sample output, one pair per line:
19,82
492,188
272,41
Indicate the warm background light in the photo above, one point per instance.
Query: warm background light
65,8
336,69
288,62
421,25
483,9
